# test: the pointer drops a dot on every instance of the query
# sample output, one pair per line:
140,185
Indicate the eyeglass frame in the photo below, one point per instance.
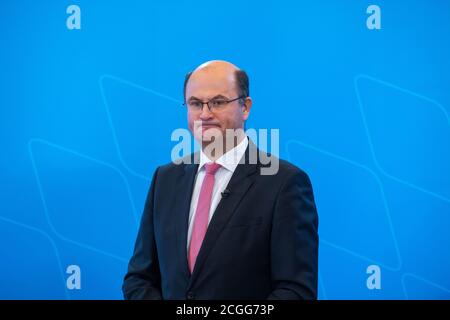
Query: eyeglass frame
186,104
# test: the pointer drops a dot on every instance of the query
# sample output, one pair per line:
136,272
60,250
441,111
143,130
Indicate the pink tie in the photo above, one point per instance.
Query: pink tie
202,213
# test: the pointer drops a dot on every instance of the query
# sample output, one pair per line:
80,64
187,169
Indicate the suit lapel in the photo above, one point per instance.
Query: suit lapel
239,184
181,207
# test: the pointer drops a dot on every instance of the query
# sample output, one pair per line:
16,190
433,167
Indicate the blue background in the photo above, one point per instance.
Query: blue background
86,116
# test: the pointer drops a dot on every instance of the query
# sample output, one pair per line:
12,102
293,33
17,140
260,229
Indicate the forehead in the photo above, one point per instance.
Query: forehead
206,83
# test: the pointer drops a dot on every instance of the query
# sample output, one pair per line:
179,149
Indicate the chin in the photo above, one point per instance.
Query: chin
209,134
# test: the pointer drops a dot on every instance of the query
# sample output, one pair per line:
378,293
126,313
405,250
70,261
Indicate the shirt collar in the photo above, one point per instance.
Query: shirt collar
228,160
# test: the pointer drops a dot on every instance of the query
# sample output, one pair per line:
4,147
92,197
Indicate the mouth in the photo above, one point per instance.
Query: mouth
206,126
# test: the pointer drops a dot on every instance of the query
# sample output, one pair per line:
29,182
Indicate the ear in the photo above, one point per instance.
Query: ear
246,107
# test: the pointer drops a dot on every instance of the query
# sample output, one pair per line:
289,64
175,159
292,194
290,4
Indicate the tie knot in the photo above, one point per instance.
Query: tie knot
211,168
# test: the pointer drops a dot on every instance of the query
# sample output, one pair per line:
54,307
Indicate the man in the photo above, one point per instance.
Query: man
220,229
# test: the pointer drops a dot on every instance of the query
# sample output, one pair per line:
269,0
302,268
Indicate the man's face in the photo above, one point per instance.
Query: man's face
214,83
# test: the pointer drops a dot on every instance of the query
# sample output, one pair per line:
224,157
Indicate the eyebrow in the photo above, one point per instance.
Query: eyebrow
194,98
219,96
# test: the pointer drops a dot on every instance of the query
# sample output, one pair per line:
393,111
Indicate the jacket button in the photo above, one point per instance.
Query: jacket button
190,295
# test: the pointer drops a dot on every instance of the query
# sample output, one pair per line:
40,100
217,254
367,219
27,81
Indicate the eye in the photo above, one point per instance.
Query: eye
195,104
219,103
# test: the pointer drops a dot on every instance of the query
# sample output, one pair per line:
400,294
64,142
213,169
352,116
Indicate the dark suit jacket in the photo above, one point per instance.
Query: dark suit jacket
262,241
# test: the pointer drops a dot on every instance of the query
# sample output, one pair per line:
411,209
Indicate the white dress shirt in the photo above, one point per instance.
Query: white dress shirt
228,161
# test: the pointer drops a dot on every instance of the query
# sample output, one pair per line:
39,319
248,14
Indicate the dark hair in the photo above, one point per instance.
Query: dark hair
242,83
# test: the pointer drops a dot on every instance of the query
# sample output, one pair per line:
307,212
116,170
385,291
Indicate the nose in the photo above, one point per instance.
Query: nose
206,113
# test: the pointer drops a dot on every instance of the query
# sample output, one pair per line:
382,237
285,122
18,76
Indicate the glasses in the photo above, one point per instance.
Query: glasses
215,104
